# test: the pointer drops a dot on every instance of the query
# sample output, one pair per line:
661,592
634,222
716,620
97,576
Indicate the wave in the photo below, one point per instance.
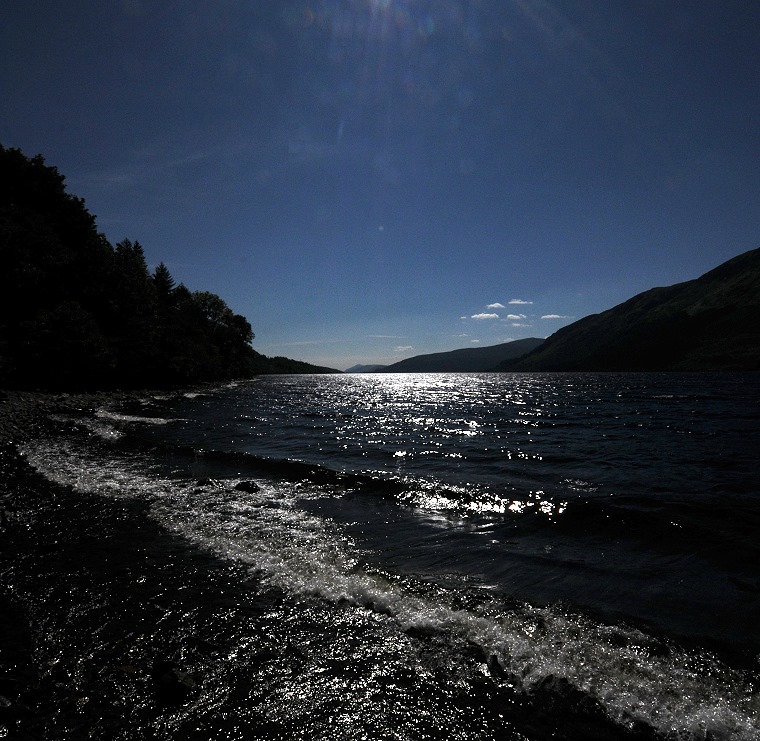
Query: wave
721,530
634,677
118,417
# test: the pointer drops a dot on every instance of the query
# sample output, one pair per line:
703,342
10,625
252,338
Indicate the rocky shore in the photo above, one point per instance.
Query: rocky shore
108,623
23,412
29,537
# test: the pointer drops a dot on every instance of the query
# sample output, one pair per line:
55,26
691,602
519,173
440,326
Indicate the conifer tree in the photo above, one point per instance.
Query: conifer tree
77,311
163,281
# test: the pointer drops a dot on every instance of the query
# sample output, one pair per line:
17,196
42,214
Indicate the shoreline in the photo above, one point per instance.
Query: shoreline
96,598
114,627
23,412
25,499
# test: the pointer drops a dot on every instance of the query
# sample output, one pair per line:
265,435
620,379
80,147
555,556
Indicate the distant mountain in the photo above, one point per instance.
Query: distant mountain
365,368
710,323
467,360
279,364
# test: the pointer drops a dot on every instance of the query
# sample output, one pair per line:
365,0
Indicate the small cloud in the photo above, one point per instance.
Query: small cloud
519,302
555,316
496,306
484,316
516,317
474,342
403,348
386,336
520,324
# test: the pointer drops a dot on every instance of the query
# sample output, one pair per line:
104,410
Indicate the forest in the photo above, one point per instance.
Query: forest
78,312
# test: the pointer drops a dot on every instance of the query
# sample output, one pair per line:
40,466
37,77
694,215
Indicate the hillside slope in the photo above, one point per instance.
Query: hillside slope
710,323
466,360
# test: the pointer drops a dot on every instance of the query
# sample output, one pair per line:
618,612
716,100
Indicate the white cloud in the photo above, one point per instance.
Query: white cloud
555,316
516,317
497,305
484,316
403,348
474,342
519,302
519,324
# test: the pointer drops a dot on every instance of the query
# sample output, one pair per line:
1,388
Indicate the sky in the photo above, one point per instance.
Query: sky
368,180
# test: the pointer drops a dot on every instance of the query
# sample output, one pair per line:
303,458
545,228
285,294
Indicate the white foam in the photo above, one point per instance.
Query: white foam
686,694
116,417
95,427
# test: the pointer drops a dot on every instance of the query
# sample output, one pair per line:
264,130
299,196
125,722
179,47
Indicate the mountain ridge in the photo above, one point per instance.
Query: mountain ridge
466,359
708,323
370,368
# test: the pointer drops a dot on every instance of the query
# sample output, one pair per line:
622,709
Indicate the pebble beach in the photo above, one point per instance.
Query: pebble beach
103,614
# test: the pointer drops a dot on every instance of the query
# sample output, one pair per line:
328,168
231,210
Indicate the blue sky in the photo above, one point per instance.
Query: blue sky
367,180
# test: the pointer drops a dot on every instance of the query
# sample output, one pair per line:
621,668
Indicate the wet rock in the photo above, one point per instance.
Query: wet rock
558,695
250,487
559,710
172,685
207,482
415,631
495,667
555,689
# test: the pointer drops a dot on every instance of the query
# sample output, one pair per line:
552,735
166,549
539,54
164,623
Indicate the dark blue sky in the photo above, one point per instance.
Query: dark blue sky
371,179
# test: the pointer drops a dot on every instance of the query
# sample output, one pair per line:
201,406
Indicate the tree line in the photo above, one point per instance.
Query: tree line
78,312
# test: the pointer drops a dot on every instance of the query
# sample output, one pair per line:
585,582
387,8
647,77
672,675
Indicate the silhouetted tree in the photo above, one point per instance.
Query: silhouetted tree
49,249
133,301
67,340
163,281
76,311
229,335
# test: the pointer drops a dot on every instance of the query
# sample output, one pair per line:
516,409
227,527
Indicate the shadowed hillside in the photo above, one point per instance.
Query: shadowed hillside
374,368
467,360
710,323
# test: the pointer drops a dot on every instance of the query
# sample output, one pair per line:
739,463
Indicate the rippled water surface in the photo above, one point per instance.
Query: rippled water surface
547,534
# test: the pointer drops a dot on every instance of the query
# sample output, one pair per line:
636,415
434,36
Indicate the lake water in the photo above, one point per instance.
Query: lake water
462,556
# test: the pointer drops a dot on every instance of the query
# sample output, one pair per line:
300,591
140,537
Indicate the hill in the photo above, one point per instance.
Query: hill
466,360
709,323
366,368
263,364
